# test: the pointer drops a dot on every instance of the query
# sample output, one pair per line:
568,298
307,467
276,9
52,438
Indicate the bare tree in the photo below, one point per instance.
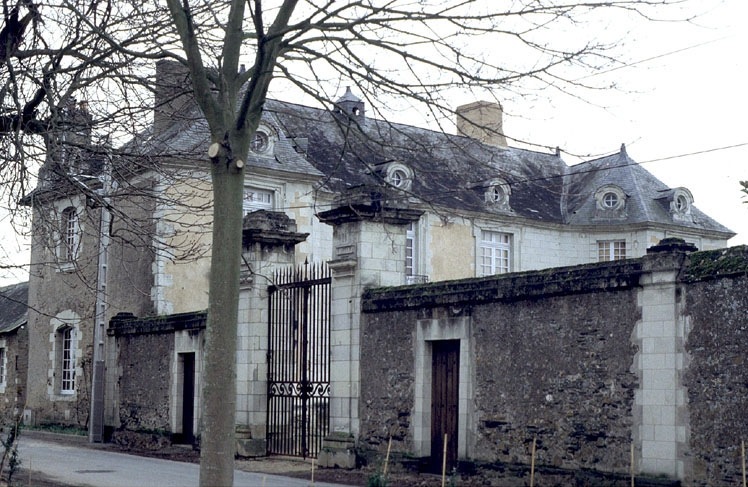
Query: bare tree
391,49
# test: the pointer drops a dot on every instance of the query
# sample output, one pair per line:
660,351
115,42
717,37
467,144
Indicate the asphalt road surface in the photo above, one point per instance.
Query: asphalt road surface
87,467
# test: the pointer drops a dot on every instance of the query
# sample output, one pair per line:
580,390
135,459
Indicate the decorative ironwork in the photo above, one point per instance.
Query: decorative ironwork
299,361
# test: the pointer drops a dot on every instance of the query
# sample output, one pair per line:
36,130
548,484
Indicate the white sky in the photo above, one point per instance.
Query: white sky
691,99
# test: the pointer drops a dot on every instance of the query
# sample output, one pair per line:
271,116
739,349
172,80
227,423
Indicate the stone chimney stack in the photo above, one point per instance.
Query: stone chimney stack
173,94
483,121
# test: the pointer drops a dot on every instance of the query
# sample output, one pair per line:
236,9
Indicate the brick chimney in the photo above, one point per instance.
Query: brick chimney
173,94
482,120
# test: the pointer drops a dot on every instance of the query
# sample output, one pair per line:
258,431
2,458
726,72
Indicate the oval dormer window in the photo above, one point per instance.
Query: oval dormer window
399,176
260,142
610,200
497,192
681,203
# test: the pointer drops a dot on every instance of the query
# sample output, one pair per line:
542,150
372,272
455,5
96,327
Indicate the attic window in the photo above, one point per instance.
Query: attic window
260,142
398,178
610,200
497,194
680,204
399,175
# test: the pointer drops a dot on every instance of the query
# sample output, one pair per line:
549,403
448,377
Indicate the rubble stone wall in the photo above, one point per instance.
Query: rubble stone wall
555,358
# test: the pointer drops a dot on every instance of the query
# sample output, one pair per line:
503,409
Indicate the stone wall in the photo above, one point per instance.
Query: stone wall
13,397
550,362
567,357
143,370
716,298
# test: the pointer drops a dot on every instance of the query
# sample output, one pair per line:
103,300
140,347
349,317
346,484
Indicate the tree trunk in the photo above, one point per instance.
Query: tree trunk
219,388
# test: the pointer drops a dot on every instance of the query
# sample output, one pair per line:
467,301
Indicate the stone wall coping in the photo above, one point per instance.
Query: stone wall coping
129,324
356,212
713,264
507,287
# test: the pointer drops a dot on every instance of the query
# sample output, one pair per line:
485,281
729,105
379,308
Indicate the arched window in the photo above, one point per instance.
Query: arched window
70,233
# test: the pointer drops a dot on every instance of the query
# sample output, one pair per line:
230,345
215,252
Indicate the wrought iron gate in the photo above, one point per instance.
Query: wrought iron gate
299,361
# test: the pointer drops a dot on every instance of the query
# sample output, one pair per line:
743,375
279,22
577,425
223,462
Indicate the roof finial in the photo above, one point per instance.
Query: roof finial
623,149
558,151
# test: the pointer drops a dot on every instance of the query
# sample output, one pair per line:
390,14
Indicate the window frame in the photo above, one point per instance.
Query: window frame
610,200
248,206
3,366
70,235
611,250
67,360
411,245
495,254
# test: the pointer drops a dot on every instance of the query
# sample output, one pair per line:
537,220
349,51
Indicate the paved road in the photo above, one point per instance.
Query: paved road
87,467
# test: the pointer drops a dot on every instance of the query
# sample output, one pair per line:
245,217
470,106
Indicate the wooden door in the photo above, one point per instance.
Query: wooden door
445,387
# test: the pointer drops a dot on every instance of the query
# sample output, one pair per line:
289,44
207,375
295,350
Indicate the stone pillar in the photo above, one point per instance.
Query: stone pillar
269,239
661,431
368,251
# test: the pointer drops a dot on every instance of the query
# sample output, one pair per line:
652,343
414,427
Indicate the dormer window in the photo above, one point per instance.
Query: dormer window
610,200
259,142
398,178
680,204
262,141
399,175
497,192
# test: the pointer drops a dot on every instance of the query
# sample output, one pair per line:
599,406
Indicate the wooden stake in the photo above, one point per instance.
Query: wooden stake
632,464
742,454
387,458
532,462
444,462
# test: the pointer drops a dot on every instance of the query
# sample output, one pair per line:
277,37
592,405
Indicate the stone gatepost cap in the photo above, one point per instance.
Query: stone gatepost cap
672,244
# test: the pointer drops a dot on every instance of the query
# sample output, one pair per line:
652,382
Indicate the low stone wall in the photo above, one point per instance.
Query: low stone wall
145,355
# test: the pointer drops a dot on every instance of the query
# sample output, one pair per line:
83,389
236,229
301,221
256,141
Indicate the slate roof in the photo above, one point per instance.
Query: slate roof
453,171
450,171
13,306
645,194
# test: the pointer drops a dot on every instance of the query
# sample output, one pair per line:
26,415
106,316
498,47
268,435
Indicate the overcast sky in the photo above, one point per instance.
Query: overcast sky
681,111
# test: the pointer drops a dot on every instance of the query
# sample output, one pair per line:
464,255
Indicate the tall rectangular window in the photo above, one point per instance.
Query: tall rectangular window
3,367
67,366
411,267
608,250
70,234
495,252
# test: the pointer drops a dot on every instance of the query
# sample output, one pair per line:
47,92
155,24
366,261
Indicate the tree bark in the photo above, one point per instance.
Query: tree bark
219,390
